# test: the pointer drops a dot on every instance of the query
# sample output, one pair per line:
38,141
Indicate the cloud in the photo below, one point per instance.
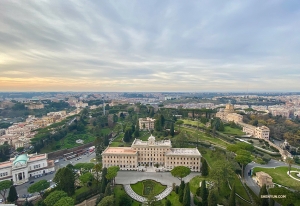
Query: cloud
53,45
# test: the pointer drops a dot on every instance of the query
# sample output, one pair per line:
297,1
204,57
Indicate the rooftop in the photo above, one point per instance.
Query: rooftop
119,150
183,151
22,159
138,142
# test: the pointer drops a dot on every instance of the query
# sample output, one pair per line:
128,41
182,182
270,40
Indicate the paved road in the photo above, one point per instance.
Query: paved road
22,189
271,164
132,177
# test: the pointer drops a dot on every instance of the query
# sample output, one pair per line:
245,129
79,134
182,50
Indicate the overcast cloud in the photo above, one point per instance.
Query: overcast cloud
60,45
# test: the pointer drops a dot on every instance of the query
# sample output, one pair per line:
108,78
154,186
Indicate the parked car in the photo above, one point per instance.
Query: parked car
30,195
31,182
24,196
1,200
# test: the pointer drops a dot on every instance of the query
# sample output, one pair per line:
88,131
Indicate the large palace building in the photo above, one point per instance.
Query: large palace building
151,153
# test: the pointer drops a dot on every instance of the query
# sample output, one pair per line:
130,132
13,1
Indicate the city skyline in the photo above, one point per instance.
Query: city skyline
150,46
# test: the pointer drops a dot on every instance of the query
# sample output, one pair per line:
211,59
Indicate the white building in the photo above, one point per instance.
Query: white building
146,123
22,167
151,153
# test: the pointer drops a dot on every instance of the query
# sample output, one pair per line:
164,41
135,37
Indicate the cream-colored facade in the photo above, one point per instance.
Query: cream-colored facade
22,167
263,178
262,132
146,123
151,153
228,114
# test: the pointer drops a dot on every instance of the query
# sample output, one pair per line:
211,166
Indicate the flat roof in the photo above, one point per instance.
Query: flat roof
184,151
119,150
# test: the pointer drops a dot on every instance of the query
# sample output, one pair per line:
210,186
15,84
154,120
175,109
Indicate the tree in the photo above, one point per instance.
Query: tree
4,185
86,177
124,200
180,172
137,130
232,197
263,191
127,135
65,180
54,197
151,200
99,147
98,168
168,203
172,132
221,173
12,194
212,198
39,186
107,201
20,149
103,179
107,190
181,191
243,160
204,168
179,123
112,173
290,161
204,193
86,167
65,201
187,195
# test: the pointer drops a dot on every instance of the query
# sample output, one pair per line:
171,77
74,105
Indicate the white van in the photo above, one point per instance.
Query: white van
56,161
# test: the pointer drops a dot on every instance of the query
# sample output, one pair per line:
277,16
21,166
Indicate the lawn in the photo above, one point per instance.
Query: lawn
232,131
195,182
173,197
191,122
145,187
294,174
194,133
118,191
239,188
279,175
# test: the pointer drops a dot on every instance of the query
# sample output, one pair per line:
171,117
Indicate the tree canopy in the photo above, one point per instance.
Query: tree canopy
65,201
107,201
54,197
112,173
4,185
65,179
180,172
12,194
39,186
86,177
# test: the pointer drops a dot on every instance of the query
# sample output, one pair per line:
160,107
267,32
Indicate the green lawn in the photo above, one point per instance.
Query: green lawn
232,131
143,188
118,191
191,122
239,188
279,175
195,182
203,137
174,198
294,174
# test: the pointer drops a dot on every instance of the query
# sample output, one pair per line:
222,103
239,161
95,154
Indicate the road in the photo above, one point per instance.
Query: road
22,189
271,164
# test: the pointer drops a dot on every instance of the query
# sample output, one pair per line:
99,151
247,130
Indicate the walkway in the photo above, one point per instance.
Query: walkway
139,198
292,176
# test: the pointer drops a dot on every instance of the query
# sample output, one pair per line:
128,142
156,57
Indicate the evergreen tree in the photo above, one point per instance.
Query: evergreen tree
181,191
232,197
151,113
212,198
263,191
103,180
107,190
204,193
187,195
12,195
172,130
204,168
137,130
106,141
168,203
162,120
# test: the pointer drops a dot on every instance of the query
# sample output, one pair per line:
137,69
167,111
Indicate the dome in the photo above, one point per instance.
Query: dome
22,159
151,138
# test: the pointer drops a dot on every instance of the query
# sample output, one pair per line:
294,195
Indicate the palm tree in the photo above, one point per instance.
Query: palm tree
290,161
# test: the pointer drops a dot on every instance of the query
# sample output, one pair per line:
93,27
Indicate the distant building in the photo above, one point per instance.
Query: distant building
146,123
81,105
35,106
228,114
262,132
151,153
263,178
22,167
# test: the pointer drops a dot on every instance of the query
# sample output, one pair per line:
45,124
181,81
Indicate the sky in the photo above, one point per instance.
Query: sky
144,46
